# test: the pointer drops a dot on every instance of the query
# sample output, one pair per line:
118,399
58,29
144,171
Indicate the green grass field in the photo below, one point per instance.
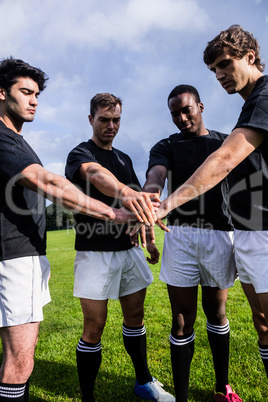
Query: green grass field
55,377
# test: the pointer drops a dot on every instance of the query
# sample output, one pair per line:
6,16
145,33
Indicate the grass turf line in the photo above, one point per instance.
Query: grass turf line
55,377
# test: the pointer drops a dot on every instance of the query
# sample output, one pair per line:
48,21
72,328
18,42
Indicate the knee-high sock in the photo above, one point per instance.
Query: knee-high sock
264,355
219,338
182,350
12,392
88,358
26,393
135,345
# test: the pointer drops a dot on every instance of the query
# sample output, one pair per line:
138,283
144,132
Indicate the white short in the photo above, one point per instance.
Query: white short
102,275
193,256
23,290
251,255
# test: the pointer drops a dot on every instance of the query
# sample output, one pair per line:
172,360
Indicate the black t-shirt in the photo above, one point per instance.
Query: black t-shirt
22,211
248,198
93,234
182,154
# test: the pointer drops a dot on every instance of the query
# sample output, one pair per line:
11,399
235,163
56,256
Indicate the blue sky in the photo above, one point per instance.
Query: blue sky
137,49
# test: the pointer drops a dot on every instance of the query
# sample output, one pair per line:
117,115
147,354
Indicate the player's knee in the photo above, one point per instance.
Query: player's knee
93,333
182,324
261,327
28,370
134,317
18,370
217,318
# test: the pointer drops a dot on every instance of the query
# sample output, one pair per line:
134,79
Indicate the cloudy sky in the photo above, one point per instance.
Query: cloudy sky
137,49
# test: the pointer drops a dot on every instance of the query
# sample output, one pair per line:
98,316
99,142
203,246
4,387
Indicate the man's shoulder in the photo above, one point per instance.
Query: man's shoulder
168,140
260,91
81,148
217,134
8,134
262,84
178,137
121,155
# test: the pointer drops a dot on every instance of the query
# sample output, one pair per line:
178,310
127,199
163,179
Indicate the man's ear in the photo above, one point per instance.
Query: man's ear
90,118
202,107
2,94
251,57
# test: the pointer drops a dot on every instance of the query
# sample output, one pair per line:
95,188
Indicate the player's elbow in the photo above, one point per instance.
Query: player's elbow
226,161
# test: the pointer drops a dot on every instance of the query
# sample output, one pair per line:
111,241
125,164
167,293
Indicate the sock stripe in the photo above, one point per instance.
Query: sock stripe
263,352
133,331
181,342
12,392
217,329
88,348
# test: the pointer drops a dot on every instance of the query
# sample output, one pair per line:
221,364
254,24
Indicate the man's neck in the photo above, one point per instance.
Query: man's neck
106,146
13,126
202,132
247,90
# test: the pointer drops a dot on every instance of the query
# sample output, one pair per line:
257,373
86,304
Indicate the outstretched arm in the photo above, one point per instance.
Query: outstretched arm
140,203
156,178
155,183
237,146
62,192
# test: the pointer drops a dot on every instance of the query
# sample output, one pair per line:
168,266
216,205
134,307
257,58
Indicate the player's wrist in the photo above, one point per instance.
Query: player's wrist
128,192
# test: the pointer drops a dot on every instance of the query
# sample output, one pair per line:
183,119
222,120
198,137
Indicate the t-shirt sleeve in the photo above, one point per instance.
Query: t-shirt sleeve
75,159
15,156
254,114
159,155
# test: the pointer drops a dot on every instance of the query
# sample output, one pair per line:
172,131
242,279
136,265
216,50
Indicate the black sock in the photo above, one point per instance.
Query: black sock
12,392
135,345
88,358
182,350
26,393
219,338
264,355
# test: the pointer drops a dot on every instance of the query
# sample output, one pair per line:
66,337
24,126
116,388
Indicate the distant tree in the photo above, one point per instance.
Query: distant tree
58,218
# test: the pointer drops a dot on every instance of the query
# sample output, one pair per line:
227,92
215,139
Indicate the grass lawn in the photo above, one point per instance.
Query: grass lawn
55,377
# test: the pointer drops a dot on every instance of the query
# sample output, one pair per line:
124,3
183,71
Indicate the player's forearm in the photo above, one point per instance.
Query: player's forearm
108,185
139,203
215,168
155,180
236,147
67,195
153,185
73,199
104,180
62,192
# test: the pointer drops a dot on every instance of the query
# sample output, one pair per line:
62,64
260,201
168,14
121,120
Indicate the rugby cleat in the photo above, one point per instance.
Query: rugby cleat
153,391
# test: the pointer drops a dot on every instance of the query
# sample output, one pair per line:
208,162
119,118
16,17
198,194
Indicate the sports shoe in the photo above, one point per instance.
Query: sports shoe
153,391
229,397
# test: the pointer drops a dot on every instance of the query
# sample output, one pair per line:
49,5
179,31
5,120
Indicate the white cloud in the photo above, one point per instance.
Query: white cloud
137,49
56,167
166,14
92,24
12,26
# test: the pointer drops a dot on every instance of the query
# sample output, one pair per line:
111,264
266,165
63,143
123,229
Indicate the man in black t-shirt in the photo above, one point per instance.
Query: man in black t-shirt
198,249
107,266
24,185
234,57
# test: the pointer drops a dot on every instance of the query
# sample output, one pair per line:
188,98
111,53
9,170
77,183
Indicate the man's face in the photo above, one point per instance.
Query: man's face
20,104
105,124
186,113
233,74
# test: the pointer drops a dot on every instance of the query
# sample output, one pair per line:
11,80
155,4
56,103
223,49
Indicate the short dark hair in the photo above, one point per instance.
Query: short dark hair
182,89
103,100
237,41
11,69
